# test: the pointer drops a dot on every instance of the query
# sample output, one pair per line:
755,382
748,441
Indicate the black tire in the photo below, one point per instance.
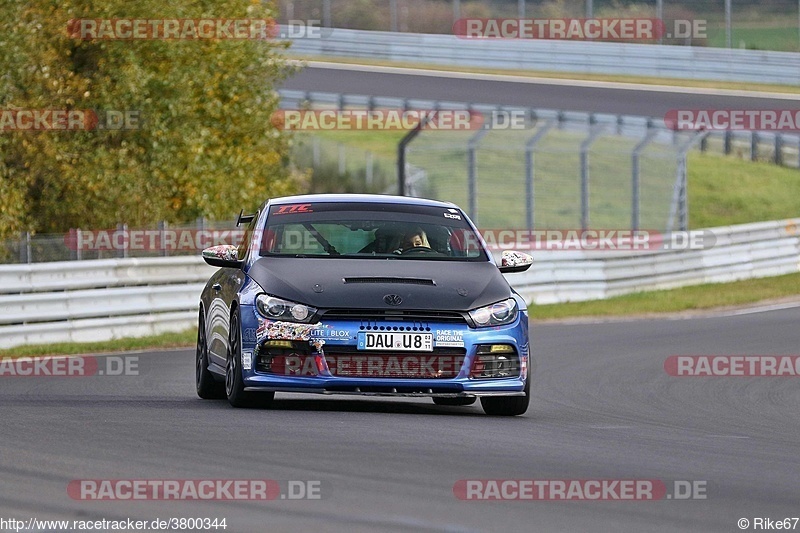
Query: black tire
456,402
234,384
508,405
208,388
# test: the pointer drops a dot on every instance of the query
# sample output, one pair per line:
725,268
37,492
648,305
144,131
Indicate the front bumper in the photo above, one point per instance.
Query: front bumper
342,336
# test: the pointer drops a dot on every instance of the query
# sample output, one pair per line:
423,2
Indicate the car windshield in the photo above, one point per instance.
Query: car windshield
368,231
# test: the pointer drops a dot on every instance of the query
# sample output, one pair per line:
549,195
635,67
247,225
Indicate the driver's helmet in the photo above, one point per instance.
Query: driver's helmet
415,238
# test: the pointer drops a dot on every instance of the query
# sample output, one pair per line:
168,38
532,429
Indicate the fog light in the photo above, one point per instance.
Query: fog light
247,360
501,348
495,361
277,344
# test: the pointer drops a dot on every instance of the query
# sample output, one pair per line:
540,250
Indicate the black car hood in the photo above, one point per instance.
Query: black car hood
422,285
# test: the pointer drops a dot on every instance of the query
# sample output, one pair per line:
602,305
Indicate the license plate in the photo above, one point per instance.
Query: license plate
389,340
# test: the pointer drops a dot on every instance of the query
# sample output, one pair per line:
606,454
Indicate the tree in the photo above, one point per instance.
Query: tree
204,144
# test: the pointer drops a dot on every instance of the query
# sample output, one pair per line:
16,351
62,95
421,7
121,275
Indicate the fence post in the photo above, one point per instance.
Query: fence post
162,232
753,146
25,247
585,145
326,13
78,251
122,228
369,170
315,153
680,205
401,150
728,141
530,197
393,15
472,172
635,178
778,149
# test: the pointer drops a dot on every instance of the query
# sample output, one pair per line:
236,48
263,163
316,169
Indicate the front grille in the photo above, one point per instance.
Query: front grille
347,362
441,363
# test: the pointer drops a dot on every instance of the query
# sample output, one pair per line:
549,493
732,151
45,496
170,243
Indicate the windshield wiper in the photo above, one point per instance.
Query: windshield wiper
327,246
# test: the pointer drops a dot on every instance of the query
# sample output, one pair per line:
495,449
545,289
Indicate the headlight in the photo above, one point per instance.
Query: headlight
497,314
279,309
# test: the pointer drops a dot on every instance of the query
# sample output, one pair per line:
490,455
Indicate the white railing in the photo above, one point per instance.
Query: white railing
99,300
688,62
106,299
740,252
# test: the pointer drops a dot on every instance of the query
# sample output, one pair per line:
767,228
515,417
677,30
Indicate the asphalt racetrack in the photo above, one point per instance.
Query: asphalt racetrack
603,407
569,95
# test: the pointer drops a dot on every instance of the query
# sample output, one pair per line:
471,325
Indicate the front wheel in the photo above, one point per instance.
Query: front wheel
234,382
508,405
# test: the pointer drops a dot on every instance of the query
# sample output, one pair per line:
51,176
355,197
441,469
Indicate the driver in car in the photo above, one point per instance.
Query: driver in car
415,239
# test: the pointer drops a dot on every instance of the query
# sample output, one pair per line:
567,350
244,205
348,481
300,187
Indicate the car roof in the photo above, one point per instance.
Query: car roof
358,198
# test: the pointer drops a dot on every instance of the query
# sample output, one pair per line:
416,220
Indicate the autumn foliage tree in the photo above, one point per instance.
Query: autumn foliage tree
204,144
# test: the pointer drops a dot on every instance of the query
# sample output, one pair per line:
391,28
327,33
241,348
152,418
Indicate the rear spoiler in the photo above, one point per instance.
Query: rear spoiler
242,218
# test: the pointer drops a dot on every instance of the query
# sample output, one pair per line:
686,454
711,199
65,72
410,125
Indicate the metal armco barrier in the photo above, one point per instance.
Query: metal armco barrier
106,299
662,61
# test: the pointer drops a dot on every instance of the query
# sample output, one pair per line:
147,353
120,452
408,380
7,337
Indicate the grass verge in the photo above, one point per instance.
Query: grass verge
698,297
183,339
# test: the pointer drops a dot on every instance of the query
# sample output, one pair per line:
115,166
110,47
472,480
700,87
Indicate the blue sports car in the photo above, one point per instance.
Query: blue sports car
366,295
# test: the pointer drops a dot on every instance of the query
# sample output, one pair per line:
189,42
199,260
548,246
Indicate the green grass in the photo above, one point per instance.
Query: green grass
777,36
181,339
383,144
723,190
697,297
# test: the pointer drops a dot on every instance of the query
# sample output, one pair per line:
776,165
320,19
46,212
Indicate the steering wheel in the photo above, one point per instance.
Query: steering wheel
418,250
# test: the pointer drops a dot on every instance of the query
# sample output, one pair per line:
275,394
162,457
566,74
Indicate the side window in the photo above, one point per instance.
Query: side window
248,235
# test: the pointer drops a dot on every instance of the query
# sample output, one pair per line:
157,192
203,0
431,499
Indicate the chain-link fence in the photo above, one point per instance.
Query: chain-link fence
158,240
564,169
336,167
763,25
558,174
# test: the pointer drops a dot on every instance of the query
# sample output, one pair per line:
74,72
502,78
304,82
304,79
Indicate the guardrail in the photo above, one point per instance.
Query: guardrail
82,301
630,59
106,299
740,252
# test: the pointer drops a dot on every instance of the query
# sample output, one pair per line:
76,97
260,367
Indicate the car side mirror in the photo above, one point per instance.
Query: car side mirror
513,261
223,255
